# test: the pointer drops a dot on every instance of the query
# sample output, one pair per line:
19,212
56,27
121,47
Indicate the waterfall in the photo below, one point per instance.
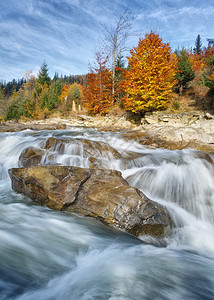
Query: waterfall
46,254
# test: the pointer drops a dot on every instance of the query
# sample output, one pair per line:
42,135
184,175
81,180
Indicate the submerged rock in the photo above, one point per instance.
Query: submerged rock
102,194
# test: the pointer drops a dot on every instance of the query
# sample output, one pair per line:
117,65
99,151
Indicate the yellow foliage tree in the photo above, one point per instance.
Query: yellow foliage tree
150,76
64,94
75,95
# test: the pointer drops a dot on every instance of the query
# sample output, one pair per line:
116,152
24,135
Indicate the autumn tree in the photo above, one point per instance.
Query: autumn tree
197,62
90,92
64,94
18,102
97,89
208,72
184,72
150,76
71,96
16,105
75,94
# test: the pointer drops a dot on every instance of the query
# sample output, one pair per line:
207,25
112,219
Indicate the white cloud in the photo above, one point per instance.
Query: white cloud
180,25
65,32
164,14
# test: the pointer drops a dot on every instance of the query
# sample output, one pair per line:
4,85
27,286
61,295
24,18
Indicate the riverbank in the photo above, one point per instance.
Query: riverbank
171,131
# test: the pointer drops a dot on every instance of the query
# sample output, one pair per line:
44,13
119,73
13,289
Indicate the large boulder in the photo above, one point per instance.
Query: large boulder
102,194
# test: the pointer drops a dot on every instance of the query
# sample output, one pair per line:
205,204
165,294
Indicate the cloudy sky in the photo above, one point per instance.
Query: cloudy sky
65,33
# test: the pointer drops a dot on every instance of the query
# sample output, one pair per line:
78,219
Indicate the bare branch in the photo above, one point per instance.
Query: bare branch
116,37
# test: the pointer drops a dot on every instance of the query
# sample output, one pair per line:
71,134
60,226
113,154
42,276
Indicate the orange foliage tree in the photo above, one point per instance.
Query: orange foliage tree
150,76
197,62
97,90
208,52
208,74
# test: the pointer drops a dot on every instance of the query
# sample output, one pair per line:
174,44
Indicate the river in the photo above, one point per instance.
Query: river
47,255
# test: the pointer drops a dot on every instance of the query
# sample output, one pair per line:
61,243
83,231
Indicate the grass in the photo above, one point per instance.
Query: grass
195,98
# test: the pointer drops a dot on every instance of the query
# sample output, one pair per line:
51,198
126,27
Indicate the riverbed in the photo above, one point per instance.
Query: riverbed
49,255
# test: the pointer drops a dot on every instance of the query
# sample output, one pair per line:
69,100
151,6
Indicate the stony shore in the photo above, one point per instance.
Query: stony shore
172,131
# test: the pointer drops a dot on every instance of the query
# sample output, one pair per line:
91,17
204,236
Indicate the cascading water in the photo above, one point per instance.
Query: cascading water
49,255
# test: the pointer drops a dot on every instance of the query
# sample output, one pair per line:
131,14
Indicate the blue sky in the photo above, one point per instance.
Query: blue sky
65,33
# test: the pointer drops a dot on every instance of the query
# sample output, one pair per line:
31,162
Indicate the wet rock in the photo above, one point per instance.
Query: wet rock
95,153
31,156
53,186
83,147
102,194
203,155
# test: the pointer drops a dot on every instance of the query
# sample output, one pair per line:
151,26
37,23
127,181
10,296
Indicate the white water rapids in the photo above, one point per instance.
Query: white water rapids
48,255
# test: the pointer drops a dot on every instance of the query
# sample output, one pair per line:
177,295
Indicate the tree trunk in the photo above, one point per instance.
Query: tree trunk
181,88
113,82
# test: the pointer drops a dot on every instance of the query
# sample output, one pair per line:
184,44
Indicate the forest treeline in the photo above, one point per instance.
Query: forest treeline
146,84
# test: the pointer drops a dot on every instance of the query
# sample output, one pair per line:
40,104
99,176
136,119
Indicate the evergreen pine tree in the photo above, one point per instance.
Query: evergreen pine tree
184,70
43,75
56,76
198,45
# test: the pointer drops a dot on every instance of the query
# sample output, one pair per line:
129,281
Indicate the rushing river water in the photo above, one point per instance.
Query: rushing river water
47,255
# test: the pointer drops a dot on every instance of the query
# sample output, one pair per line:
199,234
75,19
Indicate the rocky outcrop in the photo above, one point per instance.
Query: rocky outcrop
185,118
102,194
158,129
